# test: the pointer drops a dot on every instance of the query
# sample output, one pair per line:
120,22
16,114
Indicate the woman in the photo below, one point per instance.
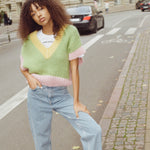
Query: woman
50,56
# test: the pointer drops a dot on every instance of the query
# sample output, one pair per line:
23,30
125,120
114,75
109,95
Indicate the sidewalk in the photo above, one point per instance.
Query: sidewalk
10,28
8,33
119,8
126,120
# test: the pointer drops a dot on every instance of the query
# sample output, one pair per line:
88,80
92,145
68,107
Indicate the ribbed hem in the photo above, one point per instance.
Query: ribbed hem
76,54
52,81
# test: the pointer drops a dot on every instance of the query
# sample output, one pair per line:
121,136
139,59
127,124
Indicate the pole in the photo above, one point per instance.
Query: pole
8,34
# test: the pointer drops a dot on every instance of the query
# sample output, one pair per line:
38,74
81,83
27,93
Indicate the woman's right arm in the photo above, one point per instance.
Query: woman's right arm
33,83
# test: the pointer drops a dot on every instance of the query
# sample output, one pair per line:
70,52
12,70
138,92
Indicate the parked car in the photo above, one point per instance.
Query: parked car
86,18
145,5
137,5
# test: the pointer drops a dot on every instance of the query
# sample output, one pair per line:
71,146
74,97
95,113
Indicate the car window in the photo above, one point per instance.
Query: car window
79,10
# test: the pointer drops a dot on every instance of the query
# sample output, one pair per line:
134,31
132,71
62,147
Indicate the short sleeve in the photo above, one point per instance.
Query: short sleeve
75,48
21,64
22,60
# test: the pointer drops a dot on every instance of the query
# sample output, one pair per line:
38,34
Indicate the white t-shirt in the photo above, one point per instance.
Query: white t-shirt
47,40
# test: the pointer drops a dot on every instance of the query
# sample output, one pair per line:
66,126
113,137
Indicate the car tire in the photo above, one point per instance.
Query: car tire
142,10
95,28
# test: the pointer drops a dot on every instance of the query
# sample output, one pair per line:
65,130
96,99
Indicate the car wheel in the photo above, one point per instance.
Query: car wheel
95,28
142,9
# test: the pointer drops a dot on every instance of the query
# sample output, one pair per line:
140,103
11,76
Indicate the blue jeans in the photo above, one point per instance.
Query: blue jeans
41,102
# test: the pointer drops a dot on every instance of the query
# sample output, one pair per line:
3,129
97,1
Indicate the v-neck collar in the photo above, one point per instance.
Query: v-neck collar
47,52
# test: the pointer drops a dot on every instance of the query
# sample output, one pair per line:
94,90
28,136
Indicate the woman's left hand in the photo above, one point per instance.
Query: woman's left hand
80,107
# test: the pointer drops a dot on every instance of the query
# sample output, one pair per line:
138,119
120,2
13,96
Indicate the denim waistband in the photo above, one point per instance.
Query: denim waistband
54,87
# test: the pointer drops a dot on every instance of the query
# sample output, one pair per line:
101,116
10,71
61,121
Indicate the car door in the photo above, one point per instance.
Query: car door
95,15
98,18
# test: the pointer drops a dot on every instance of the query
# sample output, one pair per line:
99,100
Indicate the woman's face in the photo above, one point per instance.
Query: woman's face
40,15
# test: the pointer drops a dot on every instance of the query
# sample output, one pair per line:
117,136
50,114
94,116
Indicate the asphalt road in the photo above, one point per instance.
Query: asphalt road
98,75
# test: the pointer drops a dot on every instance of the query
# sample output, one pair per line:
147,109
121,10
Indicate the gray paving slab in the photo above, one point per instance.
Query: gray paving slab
126,119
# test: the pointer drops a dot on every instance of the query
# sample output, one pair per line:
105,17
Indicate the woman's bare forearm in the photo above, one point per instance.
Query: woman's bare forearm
75,79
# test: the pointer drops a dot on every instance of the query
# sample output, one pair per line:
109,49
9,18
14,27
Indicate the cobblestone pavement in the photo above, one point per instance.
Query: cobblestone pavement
125,122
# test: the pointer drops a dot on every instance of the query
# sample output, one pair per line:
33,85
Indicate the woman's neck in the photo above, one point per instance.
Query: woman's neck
48,29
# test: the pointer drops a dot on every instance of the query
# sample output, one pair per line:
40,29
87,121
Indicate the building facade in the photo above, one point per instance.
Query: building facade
12,8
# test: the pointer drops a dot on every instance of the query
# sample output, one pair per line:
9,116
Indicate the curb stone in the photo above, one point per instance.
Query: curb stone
147,135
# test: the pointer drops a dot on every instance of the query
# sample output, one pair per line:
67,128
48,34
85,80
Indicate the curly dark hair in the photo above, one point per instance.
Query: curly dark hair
56,9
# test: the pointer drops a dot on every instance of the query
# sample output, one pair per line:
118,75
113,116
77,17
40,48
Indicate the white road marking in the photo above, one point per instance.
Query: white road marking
141,24
130,31
91,42
113,31
13,102
101,30
21,96
120,21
